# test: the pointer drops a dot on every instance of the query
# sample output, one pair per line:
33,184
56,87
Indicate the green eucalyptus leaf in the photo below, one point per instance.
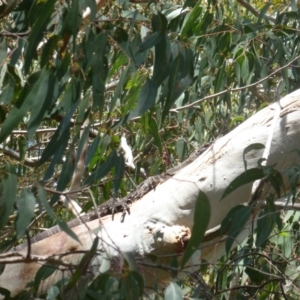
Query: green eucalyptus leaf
161,66
119,173
103,169
64,227
191,19
173,292
146,99
72,21
22,143
265,225
153,127
151,41
239,220
201,220
45,100
99,71
84,262
36,85
8,189
42,274
42,198
181,149
180,78
246,177
26,205
159,22
43,11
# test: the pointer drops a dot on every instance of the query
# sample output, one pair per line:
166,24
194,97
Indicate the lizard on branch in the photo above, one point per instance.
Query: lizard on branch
114,206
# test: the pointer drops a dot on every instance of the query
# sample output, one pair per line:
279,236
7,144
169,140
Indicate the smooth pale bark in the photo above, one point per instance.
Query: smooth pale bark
162,220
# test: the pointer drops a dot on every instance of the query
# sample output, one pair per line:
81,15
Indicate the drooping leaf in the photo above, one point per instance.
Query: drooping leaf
8,197
221,78
64,227
159,22
180,148
45,100
173,292
201,221
22,143
153,127
119,172
151,41
145,101
72,21
49,49
246,177
3,52
26,206
162,49
245,69
180,78
119,88
239,220
99,71
93,156
82,266
43,201
42,11
10,85
61,135
132,285
67,172
102,170
191,19
121,37
227,221
43,273
277,182
37,83
265,225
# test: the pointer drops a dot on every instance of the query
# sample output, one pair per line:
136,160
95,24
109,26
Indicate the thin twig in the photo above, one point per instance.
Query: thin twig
235,89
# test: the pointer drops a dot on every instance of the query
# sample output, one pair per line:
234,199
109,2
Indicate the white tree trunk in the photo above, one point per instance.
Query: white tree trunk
162,220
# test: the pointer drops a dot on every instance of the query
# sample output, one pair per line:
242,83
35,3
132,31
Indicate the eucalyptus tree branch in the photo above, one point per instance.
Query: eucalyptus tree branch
16,155
253,10
14,34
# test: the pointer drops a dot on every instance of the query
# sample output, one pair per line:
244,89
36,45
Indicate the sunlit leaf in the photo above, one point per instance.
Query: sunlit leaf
26,205
192,18
173,292
248,176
